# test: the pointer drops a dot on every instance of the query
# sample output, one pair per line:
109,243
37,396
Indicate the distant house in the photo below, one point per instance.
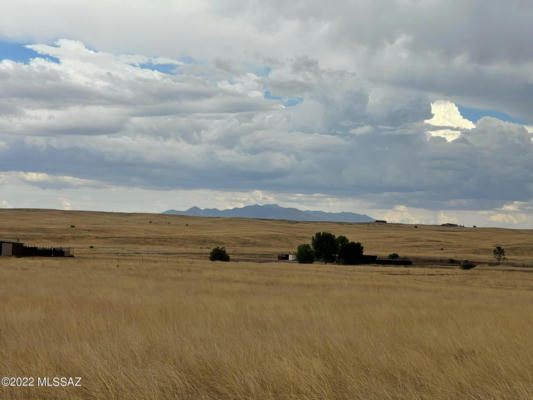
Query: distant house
380,221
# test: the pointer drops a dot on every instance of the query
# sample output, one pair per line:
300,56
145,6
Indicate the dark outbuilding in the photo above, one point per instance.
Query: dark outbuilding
16,249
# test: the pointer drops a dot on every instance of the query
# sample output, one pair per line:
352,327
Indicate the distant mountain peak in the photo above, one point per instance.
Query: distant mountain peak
274,211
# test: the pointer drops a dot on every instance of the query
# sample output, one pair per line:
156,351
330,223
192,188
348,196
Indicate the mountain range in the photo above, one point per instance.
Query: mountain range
273,211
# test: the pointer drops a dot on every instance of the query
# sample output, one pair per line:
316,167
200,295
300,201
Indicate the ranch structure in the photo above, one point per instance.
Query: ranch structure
17,249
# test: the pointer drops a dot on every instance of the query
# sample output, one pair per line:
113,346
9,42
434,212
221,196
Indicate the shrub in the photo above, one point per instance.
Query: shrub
350,253
325,246
305,254
393,256
467,265
219,254
499,254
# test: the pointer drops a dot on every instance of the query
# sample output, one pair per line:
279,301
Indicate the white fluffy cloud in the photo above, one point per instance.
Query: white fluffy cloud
446,115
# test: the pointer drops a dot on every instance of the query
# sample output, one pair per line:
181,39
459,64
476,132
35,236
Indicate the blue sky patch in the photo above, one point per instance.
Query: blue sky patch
475,114
268,96
163,68
286,101
292,101
18,52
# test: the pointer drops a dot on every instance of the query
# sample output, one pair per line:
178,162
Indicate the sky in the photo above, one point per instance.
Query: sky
413,111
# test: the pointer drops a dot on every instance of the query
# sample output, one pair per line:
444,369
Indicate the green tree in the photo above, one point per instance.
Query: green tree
325,246
499,254
219,254
351,253
305,254
393,256
341,241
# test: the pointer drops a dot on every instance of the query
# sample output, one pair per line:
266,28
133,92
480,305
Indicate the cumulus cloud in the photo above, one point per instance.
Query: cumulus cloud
446,115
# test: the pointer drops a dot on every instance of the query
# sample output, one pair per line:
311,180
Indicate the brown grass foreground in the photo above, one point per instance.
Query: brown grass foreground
142,315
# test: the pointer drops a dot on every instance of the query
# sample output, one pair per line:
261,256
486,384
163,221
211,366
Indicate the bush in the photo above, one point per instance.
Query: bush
305,254
350,253
393,256
499,253
325,246
467,265
219,254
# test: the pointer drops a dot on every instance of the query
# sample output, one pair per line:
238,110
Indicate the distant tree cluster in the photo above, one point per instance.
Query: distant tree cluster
330,249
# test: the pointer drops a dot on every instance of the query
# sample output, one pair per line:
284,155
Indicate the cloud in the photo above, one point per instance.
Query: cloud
144,128
46,181
483,62
446,114
356,130
448,134
65,204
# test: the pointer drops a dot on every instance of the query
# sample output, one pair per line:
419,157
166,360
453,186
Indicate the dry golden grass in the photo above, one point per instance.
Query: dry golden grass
143,315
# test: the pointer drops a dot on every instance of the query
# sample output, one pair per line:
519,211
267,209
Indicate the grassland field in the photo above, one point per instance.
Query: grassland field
140,312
